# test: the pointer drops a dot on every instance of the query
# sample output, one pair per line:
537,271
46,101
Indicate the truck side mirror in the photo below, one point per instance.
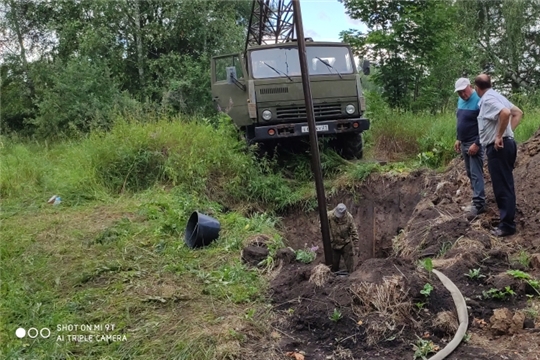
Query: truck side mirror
365,67
232,79
231,74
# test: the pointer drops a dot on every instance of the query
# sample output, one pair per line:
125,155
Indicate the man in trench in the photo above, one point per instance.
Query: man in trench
343,235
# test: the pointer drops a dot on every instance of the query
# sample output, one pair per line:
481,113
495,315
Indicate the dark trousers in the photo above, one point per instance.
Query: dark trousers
348,256
475,171
501,166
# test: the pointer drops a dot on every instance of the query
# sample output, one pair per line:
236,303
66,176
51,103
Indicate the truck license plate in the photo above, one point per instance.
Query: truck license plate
305,129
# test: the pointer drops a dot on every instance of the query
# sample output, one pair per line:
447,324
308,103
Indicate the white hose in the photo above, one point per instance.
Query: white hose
463,317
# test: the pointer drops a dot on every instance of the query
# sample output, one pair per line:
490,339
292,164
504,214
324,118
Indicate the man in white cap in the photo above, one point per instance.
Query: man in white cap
468,144
342,235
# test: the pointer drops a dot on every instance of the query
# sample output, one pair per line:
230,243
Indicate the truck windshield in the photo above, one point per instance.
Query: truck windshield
282,62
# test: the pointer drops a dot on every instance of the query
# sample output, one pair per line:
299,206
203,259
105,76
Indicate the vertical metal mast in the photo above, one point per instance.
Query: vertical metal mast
313,139
271,22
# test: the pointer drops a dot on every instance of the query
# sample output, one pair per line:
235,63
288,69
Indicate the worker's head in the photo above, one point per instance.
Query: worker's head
463,88
482,83
340,210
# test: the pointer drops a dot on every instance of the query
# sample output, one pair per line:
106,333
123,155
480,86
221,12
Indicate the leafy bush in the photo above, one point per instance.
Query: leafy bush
82,97
305,256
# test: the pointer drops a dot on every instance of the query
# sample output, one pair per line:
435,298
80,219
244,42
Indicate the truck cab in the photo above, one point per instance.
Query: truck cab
261,90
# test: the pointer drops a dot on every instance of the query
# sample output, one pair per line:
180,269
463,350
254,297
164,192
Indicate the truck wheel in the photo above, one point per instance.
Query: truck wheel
349,146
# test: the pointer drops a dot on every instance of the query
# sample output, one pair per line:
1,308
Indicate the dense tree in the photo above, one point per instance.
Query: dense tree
416,47
420,47
65,63
506,37
159,51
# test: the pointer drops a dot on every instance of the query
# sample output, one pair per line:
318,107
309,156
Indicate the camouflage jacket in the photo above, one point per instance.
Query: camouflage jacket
342,231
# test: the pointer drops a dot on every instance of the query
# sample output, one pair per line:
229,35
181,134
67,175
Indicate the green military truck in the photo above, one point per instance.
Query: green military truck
261,90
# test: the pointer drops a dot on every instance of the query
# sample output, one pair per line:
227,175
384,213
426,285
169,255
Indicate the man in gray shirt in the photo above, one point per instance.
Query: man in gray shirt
497,120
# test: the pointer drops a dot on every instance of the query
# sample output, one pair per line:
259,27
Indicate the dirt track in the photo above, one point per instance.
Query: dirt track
402,219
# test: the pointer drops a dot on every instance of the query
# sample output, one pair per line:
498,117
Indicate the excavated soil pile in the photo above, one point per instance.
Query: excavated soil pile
385,306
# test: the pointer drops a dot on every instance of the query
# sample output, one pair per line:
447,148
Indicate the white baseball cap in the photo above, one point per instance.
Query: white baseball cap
462,83
340,210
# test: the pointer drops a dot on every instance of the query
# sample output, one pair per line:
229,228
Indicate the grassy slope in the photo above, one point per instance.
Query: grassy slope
113,253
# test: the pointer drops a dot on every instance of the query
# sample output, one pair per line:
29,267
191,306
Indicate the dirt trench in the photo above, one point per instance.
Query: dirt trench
381,207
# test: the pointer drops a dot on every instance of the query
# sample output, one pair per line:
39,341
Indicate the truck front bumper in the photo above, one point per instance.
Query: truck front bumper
329,127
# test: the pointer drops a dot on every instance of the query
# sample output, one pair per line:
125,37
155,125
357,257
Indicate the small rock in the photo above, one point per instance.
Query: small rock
501,321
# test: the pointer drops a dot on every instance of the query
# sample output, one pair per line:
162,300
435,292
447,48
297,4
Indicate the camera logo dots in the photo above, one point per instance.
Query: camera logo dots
33,333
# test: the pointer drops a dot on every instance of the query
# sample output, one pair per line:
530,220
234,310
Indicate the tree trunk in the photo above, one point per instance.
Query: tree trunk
20,39
138,39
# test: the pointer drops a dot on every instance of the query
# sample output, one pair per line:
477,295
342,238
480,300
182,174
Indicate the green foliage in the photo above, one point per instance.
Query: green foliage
81,97
523,258
414,47
426,291
336,315
422,348
156,52
233,282
427,264
494,293
17,105
447,245
421,48
183,84
475,274
518,274
361,171
116,232
533,283
404,135
135,157
504,51
305,255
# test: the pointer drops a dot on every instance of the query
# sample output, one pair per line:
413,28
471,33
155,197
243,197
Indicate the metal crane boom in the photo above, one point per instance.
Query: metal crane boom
271,22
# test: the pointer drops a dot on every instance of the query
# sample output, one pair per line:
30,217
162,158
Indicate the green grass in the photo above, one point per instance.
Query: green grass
123,261
113,252
528,126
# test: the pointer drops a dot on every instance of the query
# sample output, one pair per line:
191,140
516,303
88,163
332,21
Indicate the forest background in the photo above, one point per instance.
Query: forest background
69,67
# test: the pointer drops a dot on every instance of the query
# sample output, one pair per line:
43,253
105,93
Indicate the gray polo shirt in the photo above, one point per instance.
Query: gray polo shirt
491,104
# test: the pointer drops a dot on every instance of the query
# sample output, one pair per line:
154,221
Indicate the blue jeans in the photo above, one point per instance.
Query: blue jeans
475,171
501,166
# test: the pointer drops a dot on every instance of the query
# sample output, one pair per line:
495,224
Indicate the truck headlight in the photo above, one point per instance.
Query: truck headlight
350,109
266,115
